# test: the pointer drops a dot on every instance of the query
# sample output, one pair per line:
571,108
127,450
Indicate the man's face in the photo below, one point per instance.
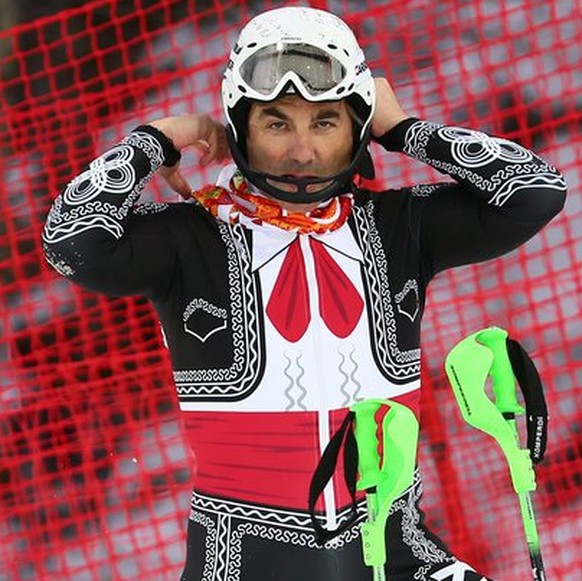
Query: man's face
293,137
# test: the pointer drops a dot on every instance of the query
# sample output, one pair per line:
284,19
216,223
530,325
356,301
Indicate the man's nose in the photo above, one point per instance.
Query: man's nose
302,150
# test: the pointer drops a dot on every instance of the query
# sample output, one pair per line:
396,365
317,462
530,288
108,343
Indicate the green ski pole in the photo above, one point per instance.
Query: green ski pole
383,478
468,366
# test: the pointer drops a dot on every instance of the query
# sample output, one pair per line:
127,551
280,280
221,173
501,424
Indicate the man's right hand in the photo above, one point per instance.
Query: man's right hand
198,131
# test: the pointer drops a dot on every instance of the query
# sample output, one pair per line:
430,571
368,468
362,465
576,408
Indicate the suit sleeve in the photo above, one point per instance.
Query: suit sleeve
501,196
93,234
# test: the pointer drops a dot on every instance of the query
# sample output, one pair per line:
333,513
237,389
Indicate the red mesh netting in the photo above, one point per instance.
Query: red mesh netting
95,477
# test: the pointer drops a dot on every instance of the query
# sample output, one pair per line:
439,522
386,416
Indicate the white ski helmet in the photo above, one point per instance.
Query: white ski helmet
305,51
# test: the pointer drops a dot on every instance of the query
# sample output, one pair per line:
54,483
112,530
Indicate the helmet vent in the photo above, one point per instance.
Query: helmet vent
242,89
332,46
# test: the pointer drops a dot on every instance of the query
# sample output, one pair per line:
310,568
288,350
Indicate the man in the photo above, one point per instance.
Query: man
286,292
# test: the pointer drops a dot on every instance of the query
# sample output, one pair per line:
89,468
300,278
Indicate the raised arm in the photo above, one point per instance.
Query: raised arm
95,235
504,193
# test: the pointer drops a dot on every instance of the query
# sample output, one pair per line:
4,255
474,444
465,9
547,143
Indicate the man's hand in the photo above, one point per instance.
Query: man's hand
388,112
198,131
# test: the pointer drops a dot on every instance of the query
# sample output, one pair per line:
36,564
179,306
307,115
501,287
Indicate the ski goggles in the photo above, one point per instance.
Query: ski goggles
272,67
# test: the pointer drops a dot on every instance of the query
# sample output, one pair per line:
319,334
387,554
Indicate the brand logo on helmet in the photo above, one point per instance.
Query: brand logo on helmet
363,66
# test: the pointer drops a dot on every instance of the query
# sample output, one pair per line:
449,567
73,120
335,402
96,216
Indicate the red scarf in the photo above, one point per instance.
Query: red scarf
228,205
288,307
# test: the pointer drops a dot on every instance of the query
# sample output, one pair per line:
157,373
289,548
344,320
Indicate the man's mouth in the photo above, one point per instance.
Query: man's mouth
299,176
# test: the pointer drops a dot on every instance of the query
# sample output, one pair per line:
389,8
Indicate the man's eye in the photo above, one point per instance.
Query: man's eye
277,125
325,124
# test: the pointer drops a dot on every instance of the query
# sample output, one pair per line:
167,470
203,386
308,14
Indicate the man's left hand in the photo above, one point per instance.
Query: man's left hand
388,112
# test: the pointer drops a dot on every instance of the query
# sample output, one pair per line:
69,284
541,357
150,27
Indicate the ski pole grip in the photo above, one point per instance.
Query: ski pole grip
468,366
365,431
385,477
504,387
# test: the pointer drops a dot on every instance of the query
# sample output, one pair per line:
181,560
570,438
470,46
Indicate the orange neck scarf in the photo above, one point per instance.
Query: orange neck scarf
229,205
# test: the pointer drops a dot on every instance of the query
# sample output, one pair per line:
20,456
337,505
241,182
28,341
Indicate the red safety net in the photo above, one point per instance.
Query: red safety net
95,477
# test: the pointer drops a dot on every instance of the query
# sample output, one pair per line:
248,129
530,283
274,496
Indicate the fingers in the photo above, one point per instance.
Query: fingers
206,136
176,181
207,152
216,147
198,131
213,147
202,147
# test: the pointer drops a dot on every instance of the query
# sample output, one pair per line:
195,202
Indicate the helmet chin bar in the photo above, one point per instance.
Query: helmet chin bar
300,195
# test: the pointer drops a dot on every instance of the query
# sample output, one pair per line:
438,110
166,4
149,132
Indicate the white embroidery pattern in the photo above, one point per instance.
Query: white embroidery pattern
236,520
397,365
420,575
210,543
472,149
201,304
241,377
67,224
412,535
417,136
227,522
411,286
150,208
509,185
425,190
78,209
82,207
111,173
148,144
476,149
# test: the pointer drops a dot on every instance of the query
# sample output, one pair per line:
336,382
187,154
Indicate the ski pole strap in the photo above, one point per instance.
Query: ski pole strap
388,474
530,383
324,473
